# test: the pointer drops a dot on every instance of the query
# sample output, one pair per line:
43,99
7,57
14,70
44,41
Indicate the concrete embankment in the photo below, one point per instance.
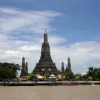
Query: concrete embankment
49,83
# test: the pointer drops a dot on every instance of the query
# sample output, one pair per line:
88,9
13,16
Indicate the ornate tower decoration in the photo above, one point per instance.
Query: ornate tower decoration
68,68
45,64
62,68
24,70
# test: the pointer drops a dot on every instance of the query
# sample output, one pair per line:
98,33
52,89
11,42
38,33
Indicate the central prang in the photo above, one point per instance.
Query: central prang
45,64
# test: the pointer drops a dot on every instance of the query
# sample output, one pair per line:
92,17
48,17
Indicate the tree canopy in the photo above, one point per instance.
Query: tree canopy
94,73
68,75
8,70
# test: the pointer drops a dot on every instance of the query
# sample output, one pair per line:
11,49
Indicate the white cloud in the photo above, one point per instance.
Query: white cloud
35,21
56,40
3,37
30,48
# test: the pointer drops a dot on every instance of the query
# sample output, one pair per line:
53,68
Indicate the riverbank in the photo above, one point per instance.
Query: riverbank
54,83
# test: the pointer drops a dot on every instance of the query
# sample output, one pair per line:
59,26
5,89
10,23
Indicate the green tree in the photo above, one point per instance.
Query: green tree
90,71
33,76
94,73
97,74
77,76
68,75
84,77
8,70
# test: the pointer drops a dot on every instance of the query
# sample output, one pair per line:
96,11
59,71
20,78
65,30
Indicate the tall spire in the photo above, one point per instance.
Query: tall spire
68,60
62,68
45,37
23,59
45,64
24,70
68,68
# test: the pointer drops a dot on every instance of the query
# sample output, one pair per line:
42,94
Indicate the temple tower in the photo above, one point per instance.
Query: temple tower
24,70
62,67
26,67
45,64
68,68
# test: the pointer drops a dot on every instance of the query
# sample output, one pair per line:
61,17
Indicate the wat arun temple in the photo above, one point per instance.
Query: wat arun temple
45,64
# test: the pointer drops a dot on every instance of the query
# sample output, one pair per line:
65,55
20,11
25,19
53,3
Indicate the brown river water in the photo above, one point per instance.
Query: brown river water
79,92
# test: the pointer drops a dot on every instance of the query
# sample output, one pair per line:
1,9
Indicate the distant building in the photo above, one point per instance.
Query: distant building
45,64
68,68
24,70
62,67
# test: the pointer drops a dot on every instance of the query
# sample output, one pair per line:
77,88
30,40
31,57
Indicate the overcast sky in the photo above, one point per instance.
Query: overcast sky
73,28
